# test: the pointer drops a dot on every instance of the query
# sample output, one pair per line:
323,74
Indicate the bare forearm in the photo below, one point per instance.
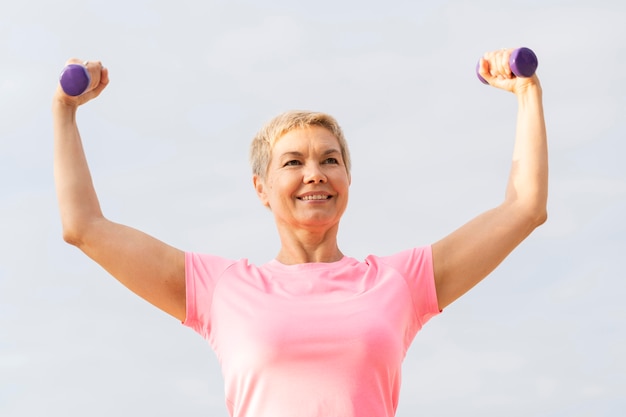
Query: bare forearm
78,203
528,182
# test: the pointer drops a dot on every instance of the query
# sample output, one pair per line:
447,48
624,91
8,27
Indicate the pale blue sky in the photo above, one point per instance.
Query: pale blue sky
167,142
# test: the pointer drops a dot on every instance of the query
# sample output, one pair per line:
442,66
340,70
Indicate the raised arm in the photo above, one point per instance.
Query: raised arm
466,256
148,267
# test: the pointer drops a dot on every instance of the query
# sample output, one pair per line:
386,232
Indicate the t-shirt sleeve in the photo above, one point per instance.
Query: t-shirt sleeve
202,272
416,266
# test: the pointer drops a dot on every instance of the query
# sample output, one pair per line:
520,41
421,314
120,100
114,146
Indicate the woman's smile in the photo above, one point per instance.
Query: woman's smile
314,197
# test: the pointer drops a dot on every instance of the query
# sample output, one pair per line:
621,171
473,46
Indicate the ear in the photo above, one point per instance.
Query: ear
259,187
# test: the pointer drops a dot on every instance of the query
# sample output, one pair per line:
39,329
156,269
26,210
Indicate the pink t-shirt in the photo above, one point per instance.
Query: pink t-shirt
317,339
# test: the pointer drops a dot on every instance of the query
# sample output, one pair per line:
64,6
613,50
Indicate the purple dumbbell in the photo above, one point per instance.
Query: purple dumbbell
523,63
75,79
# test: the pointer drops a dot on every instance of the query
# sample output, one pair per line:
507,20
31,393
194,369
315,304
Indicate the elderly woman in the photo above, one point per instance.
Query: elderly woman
312,332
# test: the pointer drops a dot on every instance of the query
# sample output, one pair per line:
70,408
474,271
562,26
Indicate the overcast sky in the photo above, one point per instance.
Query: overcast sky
191,82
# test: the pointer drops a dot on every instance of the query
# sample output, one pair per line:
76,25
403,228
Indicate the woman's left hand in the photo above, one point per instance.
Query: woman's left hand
495,69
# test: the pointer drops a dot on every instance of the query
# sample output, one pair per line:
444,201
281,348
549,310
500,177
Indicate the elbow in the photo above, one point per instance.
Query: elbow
532,210
72,236
541,217
530,216
536,216
76,232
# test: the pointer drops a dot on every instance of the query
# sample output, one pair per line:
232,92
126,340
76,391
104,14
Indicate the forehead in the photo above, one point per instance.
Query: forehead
310,137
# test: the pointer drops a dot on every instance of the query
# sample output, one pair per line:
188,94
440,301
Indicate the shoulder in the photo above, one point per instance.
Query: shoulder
205,266
419,257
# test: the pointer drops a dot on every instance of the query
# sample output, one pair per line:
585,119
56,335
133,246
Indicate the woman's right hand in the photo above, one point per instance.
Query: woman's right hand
99,81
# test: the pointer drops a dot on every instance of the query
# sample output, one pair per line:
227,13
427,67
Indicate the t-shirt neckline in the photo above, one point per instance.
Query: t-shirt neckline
276,264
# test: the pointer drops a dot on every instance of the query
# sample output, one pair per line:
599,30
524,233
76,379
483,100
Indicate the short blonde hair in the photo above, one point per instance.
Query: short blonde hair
263,142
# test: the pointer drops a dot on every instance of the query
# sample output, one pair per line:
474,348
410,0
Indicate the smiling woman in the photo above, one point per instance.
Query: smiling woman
312,332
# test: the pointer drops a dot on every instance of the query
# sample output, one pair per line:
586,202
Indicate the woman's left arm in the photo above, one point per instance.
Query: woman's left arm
466,256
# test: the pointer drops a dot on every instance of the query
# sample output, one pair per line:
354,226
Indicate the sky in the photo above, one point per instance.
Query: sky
167,142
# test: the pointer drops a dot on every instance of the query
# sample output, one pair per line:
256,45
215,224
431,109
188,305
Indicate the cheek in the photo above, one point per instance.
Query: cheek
342,181
274,191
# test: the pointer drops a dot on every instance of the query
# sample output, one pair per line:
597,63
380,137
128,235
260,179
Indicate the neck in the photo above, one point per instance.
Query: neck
302,246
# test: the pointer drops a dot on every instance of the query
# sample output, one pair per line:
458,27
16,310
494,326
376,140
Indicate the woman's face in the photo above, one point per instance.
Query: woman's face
306,185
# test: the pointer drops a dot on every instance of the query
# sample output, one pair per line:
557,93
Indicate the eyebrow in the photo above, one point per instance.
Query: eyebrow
330,151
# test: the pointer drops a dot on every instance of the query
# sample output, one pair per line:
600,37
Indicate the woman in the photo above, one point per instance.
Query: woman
312,332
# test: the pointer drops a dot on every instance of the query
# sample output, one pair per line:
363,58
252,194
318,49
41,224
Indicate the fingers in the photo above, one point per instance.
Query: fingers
498,64
103,82
95,70
494,67
99,78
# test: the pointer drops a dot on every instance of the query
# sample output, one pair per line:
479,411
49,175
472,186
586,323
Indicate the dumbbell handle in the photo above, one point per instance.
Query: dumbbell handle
75,79
523,63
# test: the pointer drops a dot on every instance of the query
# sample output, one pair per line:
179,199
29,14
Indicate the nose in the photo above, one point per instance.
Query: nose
314,174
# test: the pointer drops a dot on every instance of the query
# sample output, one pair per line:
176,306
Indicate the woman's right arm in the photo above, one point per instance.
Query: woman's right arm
148,267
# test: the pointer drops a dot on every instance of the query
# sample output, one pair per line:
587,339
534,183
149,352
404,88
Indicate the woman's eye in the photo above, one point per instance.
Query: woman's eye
293,162
331,161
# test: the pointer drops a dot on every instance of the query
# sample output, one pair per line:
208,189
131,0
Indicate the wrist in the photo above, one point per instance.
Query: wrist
63,107
528,89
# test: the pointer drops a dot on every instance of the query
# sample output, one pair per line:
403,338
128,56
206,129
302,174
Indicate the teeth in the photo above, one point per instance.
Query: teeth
315,197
